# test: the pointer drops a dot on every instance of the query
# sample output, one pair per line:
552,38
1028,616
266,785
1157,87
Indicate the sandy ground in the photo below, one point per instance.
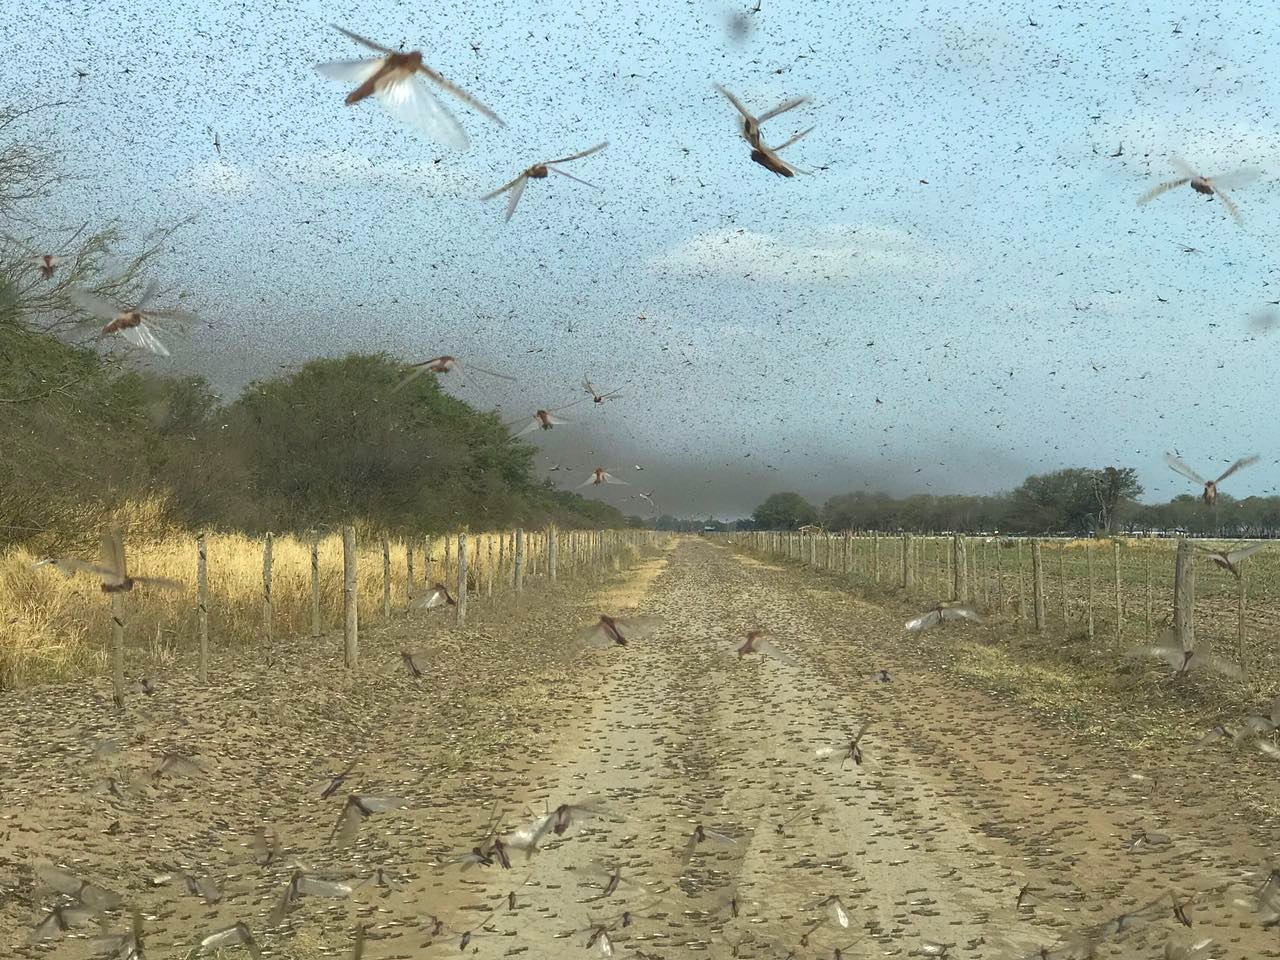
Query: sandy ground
960,802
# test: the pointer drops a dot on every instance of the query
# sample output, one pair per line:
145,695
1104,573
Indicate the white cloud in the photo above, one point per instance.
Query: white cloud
831,253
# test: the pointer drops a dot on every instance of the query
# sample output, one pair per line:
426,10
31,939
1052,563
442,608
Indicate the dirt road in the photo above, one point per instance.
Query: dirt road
960,804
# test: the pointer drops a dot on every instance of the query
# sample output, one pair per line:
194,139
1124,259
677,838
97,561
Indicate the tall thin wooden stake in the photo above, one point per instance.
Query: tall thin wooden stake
1115,563
1240,603
317,625
1062,582
386,579
1088,572
1150,590
408,576
350,599
553,553
202,610
462,578
999,575
1022,591
268,599
960,591
1037,575
908,574
117,648
519,560
488,565
1184,595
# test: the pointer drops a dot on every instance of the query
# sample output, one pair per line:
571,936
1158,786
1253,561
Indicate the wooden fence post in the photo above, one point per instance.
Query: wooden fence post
317,626
489,571
350,598
1000,574
553,553
268,601
1088,558
945,580
386,579
519,560
408,577
948,581
908,578
875,555
202,610
1062,583
1037,577
1150,590
1184,595
462,577
428,570
960,591
117,648
1115,563
1240,648
1022,590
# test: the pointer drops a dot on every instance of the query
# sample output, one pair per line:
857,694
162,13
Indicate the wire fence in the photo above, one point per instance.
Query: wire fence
1117,592
239,590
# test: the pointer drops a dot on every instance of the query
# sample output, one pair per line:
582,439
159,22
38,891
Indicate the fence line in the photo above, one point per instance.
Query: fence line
300,580
1236,618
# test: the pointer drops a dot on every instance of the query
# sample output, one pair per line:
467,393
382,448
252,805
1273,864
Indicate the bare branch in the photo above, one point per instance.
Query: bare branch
43,304
11,114
28,165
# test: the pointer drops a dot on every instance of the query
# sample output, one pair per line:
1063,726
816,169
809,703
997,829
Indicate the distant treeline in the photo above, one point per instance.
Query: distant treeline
1077,501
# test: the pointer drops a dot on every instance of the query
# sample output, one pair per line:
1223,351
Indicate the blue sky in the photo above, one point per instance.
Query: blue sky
1016,313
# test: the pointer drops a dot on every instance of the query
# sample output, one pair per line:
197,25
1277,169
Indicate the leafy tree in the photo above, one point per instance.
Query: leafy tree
784,511
70,432
340,441
1060,501
1115,489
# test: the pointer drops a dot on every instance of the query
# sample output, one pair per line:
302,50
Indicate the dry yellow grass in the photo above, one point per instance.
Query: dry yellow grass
57,627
